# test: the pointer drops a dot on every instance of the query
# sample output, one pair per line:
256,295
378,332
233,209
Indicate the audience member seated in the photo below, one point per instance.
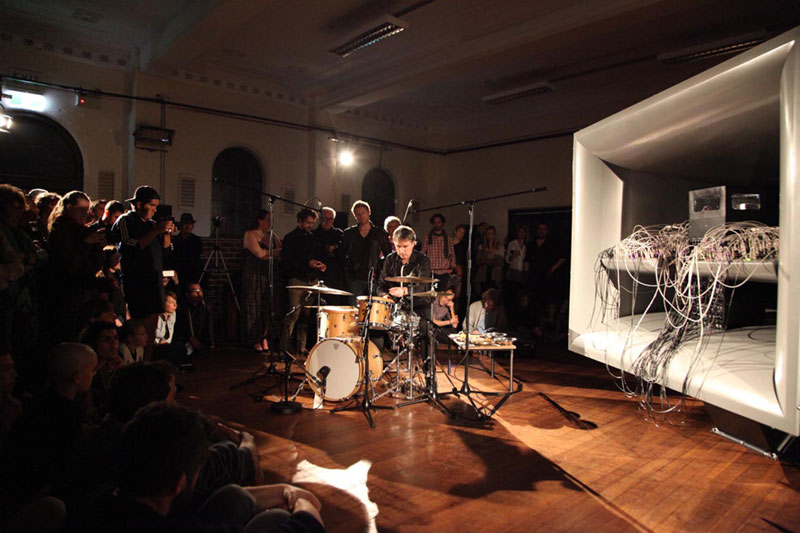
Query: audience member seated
98,310
161,453
487,314
165,330
552,327
10,407
132,340
102,338
444,315
194,326
41,442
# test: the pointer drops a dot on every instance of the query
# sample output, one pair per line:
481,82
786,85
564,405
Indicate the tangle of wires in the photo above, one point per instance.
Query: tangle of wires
694,282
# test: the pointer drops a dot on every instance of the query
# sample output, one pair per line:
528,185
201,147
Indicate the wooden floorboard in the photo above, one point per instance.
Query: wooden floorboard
569,453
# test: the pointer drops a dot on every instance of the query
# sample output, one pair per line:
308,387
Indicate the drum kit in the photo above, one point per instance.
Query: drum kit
345,364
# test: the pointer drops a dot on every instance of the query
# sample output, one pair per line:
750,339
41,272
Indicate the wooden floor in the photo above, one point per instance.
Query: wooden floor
532,466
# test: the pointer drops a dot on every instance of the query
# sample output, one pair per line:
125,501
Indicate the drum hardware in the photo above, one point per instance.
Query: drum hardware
286,406
369,391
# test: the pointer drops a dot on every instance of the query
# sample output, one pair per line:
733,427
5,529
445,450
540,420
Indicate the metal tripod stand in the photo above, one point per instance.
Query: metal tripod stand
217,256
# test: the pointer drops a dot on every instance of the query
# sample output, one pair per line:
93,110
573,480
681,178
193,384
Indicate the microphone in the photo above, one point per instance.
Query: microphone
408,208
322,373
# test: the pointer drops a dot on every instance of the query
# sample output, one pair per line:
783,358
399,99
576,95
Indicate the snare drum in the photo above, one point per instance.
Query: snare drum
344,359
337,321
380,314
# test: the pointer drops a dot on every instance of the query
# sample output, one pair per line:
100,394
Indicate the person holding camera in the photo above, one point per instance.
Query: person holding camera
142,243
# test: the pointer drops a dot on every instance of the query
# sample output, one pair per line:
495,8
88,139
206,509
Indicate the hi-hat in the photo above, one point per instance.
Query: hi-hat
321,288
410,279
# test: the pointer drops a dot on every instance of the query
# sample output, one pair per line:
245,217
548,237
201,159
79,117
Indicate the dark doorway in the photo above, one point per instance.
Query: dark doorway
378,191
238,198
40,153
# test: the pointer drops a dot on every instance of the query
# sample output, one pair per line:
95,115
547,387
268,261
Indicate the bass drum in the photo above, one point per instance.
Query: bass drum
344,359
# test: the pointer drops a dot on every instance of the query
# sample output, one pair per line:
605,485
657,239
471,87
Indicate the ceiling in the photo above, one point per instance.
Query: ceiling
599,56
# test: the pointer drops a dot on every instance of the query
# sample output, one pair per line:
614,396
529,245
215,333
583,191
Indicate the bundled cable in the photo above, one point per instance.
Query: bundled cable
692,279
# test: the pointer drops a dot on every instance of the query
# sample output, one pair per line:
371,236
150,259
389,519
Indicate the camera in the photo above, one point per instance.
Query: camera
164,212
217,220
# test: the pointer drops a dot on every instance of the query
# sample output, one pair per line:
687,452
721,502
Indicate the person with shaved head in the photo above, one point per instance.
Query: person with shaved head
35,459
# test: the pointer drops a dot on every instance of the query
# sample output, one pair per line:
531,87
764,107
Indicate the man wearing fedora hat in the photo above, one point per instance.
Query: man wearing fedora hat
186,250
142,243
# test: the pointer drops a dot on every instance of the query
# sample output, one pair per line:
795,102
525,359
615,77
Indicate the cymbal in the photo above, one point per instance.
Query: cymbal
410,279
321,288
428,294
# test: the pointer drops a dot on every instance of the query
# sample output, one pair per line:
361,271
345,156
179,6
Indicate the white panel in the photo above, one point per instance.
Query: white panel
712,125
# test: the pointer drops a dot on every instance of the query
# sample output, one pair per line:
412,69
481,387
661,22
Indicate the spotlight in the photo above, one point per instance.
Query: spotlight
346,158
5,120
26,100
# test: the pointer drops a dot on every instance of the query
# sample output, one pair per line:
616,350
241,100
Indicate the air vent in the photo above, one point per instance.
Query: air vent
535,89
714,49
378,30
186,191
289,193
105,184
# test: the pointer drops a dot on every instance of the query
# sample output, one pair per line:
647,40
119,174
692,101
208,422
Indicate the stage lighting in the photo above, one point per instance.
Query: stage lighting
5,120
346,158
25,100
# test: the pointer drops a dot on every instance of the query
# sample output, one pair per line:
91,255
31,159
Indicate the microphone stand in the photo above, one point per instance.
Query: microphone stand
270,369
466,390
366,403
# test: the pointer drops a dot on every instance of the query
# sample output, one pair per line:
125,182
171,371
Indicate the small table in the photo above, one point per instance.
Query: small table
461,344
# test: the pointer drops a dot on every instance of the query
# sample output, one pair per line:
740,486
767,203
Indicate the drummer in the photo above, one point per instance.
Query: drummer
406,261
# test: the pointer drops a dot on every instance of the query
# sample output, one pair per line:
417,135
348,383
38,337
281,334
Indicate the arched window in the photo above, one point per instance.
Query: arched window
378,191
237,199
39,153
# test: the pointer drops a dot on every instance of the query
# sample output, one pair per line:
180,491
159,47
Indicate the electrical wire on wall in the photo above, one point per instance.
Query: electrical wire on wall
694,282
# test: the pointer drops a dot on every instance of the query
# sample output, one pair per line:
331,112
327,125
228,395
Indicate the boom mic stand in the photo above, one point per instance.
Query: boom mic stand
466,389
270,203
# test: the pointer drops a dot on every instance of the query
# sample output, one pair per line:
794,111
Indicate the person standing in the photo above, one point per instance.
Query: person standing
439,249
491,256
301,264
255,280
390,224
142,244
363,245
543,261
516,278
330,238
186,250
